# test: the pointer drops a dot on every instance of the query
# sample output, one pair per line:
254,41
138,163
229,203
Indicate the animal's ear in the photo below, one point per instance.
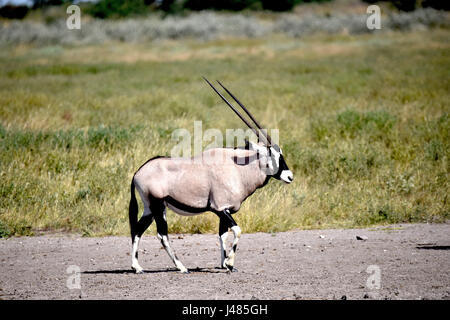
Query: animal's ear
247,144
277,148
262,150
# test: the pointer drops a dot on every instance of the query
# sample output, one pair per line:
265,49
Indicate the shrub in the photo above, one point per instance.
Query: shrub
436,4
13,12
206,26
238,5
5,231
118,8
411,5
279,5
404,5
233,5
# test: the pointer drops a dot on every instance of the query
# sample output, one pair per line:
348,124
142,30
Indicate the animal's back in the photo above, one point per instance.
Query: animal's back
191,181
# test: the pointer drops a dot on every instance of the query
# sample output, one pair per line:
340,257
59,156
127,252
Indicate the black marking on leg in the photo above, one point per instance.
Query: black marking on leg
227,214
226,219
144,223
161,224
223,226
235,247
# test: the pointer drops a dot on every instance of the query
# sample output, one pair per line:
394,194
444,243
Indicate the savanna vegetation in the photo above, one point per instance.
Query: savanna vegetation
117,9
363,119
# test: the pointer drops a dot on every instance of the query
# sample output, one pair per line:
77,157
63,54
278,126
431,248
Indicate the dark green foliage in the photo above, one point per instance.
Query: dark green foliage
118,8
238,5
170,6
4,230
46,3
13,12
436,4
405,5
351,124
233,5
122,8
279,5
436,138
411,5
21,228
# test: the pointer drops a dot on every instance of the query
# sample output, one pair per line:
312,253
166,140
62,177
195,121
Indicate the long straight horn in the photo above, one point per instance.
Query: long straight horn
266,135
233,108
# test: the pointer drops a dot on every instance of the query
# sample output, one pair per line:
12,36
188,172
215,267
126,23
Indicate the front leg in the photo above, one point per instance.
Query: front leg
223,235
229,262
227,221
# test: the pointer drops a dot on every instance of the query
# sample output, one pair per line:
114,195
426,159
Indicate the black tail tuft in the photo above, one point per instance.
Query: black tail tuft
133,211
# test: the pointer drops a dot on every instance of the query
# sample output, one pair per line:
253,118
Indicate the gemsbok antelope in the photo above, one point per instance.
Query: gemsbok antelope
217,180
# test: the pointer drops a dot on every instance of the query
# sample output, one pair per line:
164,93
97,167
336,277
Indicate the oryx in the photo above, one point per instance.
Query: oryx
217,180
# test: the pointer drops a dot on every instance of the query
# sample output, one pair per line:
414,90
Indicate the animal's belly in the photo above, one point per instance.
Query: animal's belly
183,209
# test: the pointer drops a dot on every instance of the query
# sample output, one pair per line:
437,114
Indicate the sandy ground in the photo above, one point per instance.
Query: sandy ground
410,261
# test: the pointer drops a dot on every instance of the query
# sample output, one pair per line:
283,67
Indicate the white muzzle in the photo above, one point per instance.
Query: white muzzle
287,176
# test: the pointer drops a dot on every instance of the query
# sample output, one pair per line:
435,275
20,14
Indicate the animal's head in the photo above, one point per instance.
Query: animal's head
269,154
272,161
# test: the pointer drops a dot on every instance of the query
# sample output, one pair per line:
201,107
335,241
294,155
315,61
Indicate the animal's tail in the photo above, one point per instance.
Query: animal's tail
133,211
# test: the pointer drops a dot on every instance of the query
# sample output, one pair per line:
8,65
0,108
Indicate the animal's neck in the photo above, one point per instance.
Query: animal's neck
254,179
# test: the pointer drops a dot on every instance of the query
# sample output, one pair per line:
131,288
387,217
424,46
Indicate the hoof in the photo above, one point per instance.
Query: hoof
231,269
138,271
184,271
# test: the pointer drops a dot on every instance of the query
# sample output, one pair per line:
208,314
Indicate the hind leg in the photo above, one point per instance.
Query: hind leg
143,224
136,234
162,230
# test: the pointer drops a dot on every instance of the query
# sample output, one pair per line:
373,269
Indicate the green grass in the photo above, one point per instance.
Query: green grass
364,124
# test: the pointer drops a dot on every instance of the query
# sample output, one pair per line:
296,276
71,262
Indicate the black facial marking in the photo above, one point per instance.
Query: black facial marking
282,166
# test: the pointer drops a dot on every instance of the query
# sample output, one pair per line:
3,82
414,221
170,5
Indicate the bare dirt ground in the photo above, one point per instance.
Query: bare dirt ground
411,261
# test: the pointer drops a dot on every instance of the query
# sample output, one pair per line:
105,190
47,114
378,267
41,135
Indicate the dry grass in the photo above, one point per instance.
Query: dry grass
363,120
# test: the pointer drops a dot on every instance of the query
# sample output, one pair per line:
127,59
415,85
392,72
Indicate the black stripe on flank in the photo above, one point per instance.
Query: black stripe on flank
184,207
